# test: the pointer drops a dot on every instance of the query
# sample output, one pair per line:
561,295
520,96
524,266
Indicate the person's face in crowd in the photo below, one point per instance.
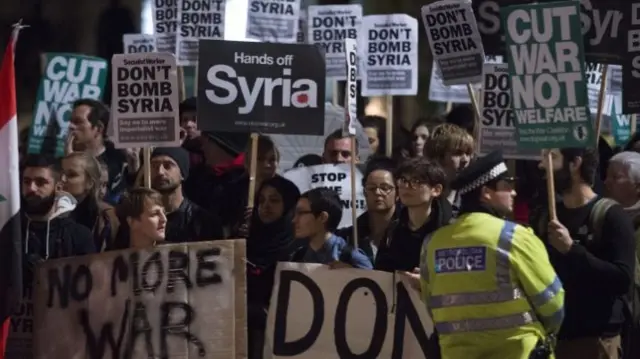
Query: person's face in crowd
81,129
165,174
213,154
338,151
414,192
270,205
419,139
104,182
38,190
267,164
501,198
380,191
619,185
150,225
75,181
306,224
372,136
562,178
455,162
188,122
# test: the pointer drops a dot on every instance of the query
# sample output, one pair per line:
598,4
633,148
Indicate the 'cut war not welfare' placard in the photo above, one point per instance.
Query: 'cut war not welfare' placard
199,19
548,81
390,55
145,98
67,78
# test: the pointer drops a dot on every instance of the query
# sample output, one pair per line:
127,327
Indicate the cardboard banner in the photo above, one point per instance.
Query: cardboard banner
165,24
497,122
329,26
438,92
134,43
455,41
172,301
66,78
317,312
198,19
335,177
547,70
146,101
273,21
261,87
389,53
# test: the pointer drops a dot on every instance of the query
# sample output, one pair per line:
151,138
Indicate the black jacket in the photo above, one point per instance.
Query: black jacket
192,223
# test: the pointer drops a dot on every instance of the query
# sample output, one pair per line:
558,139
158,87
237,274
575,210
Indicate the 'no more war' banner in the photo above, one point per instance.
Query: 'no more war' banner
145,98
631,64
317,312
497,121
601,27
171,301
335,177
548,82
329,26
273,20
198,19
165,23
261,87
67,78
455,41
438,92
389,49
134,43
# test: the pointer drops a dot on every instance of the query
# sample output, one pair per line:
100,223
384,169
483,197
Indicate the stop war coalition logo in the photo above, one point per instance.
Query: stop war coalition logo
259,87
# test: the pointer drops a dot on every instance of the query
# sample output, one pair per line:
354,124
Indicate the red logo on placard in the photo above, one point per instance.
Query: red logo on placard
302,98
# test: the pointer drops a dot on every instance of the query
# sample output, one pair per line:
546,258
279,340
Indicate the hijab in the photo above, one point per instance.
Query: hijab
269,243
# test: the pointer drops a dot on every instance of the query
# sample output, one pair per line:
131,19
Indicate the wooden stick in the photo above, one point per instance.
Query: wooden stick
182,92
551,189
601,98
195,81
43,62
146,166
335,96
252,170
448,107
633,124
354,211
389,127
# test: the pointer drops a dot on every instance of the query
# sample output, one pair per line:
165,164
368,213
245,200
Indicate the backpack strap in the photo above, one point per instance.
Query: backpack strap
597,215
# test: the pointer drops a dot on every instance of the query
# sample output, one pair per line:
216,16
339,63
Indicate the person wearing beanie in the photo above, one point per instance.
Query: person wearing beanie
186,221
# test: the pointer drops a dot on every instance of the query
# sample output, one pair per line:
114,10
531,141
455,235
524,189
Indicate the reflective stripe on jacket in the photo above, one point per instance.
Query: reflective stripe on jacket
486,280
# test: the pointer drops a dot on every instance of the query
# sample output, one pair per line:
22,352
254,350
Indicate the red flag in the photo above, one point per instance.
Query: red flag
10,238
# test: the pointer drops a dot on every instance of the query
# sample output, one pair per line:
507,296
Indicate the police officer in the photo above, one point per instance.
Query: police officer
487,282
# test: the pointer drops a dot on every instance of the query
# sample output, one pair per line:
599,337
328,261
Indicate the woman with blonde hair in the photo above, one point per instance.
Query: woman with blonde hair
82,179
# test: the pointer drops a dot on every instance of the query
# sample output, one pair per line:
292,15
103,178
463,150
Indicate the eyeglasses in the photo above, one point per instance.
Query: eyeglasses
384,189
411,183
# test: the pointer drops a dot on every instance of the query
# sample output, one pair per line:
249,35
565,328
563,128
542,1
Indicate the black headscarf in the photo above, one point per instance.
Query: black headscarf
270,243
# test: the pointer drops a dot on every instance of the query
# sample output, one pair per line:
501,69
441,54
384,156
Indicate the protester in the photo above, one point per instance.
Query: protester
374,128
104,180
145,216
87,133
488,282
317,216
596,271
419,138
381,197
189,133
186,221
452,147
420,184
271,239
82,180
337,148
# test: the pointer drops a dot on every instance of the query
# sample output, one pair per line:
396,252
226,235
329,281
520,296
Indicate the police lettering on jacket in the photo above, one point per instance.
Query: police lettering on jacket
463,259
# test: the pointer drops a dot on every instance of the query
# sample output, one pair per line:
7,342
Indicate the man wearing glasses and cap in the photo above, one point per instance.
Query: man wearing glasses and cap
488,282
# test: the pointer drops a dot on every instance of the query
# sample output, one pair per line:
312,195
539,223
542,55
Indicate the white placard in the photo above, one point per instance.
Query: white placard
165,24
351,88
199,19
438,92
273,20
134,43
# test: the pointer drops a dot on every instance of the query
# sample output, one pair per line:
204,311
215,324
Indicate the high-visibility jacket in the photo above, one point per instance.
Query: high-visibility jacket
490,288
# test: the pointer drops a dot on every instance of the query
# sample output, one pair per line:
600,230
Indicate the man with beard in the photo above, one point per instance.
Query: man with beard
594,257
487,281
186,221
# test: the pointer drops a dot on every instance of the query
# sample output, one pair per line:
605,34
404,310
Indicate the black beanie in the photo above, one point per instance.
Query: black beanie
178,154
231,142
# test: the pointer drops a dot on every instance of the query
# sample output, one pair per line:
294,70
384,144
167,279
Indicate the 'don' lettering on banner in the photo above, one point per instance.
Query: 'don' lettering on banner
273,20
171,301
145,98
329,26
165,24
367,314
455,41
199,19
390,55
547,69
134,43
